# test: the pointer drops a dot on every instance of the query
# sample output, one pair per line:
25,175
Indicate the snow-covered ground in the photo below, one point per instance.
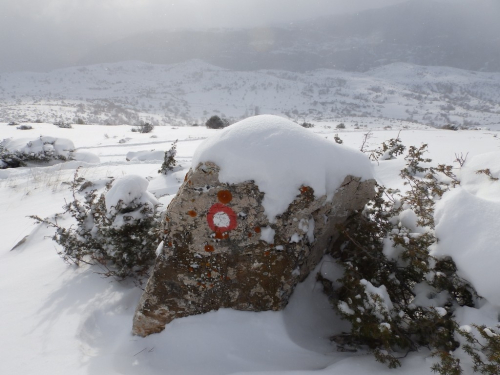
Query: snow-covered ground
58,319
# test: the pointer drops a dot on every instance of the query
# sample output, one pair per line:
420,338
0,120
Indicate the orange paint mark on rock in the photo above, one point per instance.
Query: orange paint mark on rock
192,213
191,269
266,253
224,196
209,248
169,244
257,229
221,236
304,189
249,234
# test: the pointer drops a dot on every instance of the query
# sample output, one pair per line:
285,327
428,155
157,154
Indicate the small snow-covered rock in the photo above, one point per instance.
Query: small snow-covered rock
145,155
87,157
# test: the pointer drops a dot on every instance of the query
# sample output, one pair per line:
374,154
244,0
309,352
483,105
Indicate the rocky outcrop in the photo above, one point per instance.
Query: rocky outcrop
221,251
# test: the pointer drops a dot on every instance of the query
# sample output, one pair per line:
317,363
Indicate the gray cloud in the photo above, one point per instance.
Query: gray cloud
39,34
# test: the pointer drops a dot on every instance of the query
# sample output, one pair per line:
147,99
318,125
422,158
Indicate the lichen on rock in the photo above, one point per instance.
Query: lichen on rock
222,249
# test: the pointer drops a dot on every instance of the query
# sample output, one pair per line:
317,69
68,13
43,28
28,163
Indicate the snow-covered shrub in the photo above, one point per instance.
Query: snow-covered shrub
18,152
485,349
25,127
63,125
396,295
169,161
340,126
388,150
116,229
145,127
215,122
449,127
307,125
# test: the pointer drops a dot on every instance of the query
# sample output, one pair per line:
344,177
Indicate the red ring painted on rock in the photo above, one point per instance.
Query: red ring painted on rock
217,211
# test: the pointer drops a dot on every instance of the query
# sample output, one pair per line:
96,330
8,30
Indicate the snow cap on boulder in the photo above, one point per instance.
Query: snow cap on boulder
253,217
280,156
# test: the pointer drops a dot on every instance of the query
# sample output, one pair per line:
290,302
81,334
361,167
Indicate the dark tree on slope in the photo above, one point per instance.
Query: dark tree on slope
215,122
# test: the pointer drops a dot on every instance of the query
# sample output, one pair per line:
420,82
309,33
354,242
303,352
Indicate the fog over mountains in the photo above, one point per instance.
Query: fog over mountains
456,33
419,32
435,62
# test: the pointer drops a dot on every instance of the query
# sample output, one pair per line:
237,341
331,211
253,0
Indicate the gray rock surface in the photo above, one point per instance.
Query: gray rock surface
221,251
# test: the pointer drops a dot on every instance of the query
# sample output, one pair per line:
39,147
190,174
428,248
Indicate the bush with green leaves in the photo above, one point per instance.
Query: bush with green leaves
396,295
117,229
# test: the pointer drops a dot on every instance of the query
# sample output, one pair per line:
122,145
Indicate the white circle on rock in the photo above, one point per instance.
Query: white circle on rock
221,220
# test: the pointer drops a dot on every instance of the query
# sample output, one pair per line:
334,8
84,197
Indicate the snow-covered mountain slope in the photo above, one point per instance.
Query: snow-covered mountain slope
187,93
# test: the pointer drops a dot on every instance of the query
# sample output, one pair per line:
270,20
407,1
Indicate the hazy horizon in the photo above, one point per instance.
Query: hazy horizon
40,35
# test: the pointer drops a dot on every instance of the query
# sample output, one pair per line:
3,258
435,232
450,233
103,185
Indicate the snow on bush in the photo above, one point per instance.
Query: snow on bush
116,229
468,226
406,281
169,161
17,152
128,200
168,157
280,156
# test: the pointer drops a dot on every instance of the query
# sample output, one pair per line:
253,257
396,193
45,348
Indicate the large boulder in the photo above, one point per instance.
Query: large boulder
253,218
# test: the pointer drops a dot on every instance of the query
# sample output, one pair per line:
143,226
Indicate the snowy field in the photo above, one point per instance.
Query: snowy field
58,319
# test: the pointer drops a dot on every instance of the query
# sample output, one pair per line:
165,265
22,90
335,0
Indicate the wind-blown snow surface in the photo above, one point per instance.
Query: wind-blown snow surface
281,156
57,319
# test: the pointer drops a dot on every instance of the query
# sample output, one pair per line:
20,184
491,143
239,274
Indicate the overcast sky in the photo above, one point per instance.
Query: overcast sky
34,33
125,16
